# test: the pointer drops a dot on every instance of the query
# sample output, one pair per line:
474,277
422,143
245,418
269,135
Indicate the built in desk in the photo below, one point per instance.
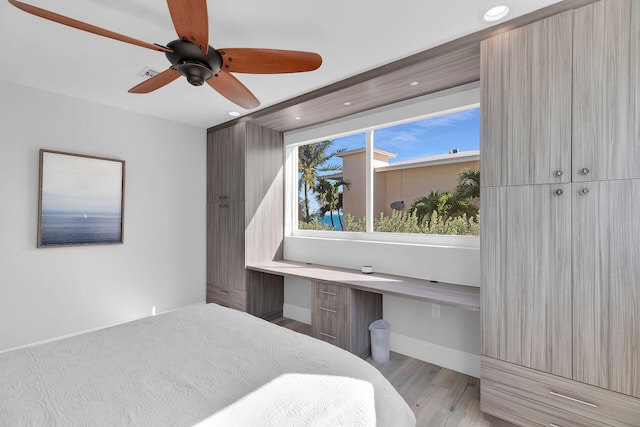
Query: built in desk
345,301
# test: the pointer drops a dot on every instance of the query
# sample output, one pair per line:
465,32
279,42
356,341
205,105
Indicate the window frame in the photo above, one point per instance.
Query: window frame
446,102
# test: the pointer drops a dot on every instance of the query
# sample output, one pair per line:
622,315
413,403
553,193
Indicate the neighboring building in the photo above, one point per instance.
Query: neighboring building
401,181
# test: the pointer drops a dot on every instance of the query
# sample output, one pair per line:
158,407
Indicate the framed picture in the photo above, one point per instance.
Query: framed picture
81,200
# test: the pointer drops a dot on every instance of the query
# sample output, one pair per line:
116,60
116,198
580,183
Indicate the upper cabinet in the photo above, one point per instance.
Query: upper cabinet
606,91
226,164
526,104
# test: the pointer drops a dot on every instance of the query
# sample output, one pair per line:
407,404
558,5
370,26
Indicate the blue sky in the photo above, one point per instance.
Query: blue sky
428,137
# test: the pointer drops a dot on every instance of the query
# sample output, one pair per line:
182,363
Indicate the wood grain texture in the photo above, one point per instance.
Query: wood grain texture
264,191
526,104
606,407
606,103
265,295
226,164
227,296
466,297
244,162
606,285
225,242
526,276
366,307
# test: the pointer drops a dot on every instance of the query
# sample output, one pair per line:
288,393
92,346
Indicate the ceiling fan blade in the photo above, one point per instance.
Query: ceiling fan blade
232,89
61,19
156,82
268,61
191,21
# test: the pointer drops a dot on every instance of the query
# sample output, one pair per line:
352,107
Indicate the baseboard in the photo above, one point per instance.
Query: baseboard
449,358
296,313
95,329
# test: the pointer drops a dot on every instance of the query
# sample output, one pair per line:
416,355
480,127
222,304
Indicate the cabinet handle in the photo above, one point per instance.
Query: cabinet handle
222,292
328,336
583,191
224,205
553,425
559,192
223,197
584,171
553,393
558,173
328,310
328,293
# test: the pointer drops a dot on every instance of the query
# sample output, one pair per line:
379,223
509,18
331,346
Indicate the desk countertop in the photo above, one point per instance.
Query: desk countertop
466,297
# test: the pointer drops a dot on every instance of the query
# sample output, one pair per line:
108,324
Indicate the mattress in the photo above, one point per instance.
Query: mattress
206,365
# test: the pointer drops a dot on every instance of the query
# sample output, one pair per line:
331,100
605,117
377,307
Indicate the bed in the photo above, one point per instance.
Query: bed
205,365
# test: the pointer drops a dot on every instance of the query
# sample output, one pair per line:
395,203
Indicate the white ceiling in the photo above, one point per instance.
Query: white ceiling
352,36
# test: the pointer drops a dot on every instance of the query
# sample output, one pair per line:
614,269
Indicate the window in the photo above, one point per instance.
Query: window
413,169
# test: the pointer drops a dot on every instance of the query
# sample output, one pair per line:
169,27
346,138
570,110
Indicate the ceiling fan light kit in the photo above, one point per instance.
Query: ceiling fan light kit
192,57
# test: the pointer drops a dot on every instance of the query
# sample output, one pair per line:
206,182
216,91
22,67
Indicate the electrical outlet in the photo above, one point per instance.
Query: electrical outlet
435,310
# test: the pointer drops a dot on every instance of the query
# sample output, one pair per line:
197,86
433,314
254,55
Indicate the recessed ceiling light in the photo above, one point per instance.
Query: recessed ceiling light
298,118
347,103
414,83
234,114
496,13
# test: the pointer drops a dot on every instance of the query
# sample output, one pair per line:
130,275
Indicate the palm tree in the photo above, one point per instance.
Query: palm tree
468,184
312,160
329,197
422,207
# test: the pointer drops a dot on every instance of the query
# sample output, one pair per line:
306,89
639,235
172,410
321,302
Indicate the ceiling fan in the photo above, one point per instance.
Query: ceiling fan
192,57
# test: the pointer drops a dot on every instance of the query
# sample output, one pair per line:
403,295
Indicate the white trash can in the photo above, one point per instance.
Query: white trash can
380,340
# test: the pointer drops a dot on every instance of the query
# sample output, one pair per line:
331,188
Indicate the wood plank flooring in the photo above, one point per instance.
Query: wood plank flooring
438,396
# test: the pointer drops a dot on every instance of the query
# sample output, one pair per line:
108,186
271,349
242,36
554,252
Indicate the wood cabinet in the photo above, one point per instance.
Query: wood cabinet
525,79
244,217
561,276
606,91
606,285
226,150
526,259
342,315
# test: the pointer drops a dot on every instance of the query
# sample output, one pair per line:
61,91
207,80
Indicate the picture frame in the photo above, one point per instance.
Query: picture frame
80,200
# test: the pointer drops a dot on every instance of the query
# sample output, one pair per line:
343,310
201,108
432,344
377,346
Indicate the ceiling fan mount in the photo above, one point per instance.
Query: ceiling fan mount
192,57
190,61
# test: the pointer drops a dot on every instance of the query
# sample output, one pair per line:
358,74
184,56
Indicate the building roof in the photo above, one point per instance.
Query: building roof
440,159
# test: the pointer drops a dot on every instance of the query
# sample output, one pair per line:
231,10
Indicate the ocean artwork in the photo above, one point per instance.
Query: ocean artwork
81,200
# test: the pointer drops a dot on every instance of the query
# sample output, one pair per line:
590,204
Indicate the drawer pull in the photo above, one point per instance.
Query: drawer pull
328,336
222,292
328,293
553,425
573,399
329,310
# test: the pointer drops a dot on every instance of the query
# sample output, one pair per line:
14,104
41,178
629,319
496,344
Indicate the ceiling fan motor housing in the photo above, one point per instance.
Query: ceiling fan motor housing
192,63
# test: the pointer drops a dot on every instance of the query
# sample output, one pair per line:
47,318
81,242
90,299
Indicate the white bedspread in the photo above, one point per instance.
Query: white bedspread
206,366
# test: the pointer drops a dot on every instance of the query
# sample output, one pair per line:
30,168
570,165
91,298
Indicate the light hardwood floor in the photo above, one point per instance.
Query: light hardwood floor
438,397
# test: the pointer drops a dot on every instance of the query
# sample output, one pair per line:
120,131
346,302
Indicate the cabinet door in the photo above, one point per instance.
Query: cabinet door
606,285
225,164
225,245
526,276
606,129
526,104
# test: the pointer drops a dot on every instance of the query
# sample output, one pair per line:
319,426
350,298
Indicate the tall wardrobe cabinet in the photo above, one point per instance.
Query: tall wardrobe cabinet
244,217
560,239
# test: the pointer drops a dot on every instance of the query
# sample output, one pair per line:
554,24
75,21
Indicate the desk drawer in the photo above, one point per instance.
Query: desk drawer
227,297
331,330
603,406
330,293
332,310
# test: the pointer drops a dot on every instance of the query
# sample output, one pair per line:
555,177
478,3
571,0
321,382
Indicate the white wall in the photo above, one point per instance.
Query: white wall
47,293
